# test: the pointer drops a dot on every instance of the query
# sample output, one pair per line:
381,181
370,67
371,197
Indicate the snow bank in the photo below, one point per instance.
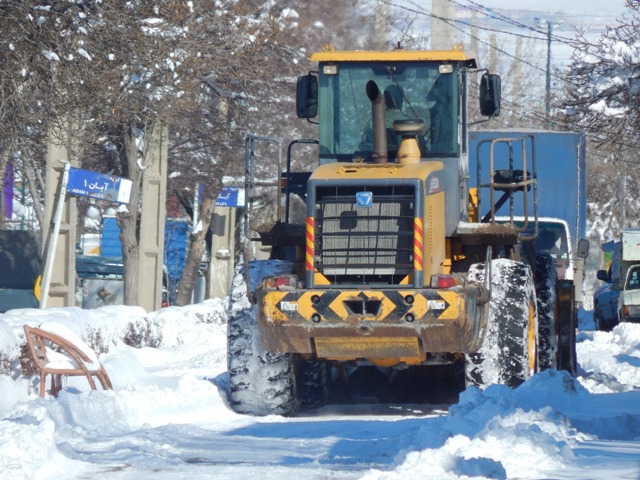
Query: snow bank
609,361
167,416
100,328
9,348
530,432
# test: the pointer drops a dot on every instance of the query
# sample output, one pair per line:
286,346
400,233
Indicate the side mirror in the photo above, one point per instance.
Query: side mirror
583,248
307,96
490,92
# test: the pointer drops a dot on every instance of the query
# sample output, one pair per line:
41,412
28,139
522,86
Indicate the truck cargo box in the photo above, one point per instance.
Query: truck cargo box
560,171
630,239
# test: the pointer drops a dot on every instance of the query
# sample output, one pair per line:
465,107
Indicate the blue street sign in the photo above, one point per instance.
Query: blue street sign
98,185
231,197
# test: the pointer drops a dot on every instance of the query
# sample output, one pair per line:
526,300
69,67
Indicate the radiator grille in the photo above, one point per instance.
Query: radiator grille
364,244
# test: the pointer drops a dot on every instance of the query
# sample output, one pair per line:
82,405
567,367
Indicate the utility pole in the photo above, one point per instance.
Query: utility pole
548,82
550,26
442,34
60,151
622,190
381,26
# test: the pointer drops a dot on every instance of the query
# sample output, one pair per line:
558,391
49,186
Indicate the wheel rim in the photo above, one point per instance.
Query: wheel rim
531,339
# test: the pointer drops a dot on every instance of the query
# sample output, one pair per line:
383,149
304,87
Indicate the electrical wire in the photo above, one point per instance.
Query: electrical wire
454,23
499,16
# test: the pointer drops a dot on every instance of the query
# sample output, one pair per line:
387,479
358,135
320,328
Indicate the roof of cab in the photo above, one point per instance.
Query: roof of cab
394,56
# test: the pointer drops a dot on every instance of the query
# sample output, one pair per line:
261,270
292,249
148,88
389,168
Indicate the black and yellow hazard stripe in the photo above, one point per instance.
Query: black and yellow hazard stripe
333,305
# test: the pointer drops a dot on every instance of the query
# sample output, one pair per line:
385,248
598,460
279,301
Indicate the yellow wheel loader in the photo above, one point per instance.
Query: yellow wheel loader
397,264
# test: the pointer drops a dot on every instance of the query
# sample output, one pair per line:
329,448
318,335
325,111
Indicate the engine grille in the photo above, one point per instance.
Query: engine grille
371,244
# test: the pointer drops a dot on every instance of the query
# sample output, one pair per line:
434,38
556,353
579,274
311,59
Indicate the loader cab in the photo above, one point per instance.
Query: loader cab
416,86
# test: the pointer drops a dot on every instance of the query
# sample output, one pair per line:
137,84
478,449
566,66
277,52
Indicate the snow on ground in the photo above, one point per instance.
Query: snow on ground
167,415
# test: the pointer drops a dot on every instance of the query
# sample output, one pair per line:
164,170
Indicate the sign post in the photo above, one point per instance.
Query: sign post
52,240
80,183
100,186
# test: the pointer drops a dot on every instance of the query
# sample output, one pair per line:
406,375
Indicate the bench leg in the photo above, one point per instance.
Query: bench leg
56,384
43,383
105,381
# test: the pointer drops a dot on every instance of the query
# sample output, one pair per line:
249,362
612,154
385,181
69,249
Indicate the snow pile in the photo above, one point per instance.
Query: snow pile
168,417
501,433
610,360
99,329
9,347
531,432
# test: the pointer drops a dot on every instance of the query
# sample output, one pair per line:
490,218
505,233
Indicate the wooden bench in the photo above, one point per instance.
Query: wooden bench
60,357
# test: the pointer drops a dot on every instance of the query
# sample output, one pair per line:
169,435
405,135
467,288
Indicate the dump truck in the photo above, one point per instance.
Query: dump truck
561,209
562,191
398,263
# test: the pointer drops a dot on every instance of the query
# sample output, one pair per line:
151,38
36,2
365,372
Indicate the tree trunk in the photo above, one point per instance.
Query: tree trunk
128,221
4,161
196,249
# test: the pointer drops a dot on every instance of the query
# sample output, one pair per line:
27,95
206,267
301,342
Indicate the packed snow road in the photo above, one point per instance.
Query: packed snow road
168,417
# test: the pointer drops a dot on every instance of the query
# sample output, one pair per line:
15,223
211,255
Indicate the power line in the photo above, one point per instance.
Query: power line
454,23
495,15
519,109
418,10
499,16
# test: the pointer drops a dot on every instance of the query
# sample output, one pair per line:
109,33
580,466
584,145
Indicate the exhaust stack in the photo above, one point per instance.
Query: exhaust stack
380,154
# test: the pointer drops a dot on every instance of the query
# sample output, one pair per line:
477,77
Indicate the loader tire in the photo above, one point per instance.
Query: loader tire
260,382
316,375
546,300
508,352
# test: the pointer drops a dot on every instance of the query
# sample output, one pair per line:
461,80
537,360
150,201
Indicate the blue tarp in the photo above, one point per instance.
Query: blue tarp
110,245
175,250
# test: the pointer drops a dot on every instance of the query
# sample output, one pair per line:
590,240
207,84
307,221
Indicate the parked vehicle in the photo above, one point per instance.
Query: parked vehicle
20,265
557,220
605,303
626,278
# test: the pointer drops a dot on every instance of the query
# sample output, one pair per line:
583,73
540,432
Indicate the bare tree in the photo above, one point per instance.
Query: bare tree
603,99
210,71
120,69
603,96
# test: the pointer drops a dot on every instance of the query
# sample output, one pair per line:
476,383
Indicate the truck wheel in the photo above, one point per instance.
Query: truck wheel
567,325
599,323
260,382
508,352
546,282
316,375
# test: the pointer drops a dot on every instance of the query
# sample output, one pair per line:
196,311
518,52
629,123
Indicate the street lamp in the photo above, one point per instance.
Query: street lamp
550,26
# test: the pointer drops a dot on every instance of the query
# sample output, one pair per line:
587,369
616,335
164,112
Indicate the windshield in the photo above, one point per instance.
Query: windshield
552,237
633,278
411,91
